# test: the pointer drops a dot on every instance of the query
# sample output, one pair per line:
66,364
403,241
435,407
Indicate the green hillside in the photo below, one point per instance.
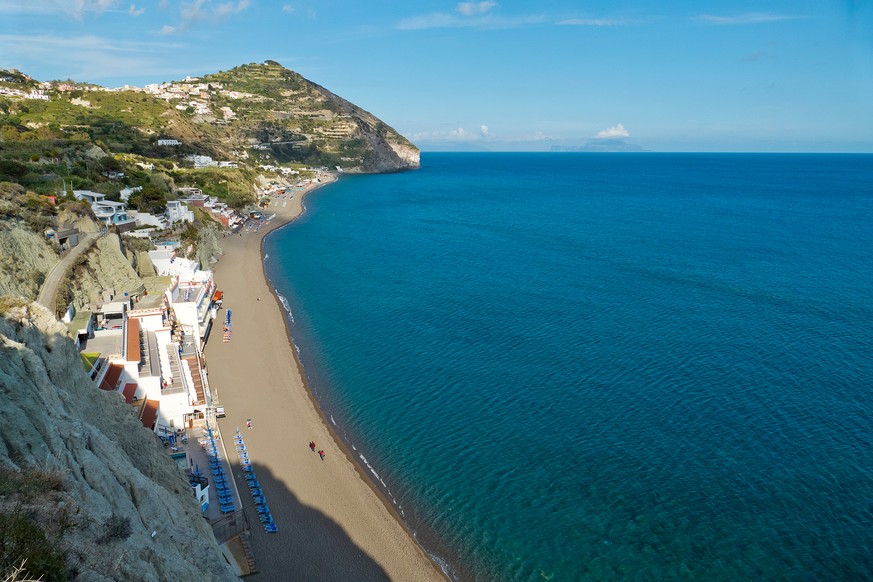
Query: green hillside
82,136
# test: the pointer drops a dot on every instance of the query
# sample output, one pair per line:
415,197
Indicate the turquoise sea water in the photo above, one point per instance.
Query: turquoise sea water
583,366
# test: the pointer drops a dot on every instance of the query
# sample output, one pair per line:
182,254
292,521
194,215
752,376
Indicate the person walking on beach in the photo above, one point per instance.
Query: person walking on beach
312,445
321,454
249,422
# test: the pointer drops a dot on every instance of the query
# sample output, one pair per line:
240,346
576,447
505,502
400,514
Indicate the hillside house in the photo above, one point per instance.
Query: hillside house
178,212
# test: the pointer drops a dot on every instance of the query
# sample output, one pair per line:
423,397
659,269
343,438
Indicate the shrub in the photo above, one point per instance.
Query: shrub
21,539
115,528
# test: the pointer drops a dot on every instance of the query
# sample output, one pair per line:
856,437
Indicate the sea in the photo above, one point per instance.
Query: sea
567,366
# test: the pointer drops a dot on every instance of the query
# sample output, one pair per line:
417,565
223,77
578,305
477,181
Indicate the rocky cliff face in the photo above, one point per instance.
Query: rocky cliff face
104,266
108,470
296,120
387,151
25,259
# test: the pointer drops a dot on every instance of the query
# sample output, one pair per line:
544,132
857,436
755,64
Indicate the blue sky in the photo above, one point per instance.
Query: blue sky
502,75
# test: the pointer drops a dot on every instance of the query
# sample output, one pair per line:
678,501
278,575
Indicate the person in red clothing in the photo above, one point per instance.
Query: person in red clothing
321,454
312,445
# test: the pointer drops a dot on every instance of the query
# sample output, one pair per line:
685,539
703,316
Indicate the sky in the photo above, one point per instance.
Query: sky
502,75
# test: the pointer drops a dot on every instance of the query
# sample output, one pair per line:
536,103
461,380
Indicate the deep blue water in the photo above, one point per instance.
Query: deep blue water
583,366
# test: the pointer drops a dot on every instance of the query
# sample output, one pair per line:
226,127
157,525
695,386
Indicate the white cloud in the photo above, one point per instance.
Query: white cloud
89,57
748,18
457,134
134,11
288,8
229,8
452,135
481,21
591,22
204,10
475,8
75,8
614,131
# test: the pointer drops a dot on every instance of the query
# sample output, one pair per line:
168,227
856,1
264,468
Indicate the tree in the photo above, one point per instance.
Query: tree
149,199
110,164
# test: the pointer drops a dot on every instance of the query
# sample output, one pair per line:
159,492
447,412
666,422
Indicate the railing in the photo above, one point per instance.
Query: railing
229,526
177,379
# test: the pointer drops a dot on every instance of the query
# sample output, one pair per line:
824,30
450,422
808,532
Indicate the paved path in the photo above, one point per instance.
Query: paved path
56,275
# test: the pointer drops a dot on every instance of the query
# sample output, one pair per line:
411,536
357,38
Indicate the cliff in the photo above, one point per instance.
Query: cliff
77,468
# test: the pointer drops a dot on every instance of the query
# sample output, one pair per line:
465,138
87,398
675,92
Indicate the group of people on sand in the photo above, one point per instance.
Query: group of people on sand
320,451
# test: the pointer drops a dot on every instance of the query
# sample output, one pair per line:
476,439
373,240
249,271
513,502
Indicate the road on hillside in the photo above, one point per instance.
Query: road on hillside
56,275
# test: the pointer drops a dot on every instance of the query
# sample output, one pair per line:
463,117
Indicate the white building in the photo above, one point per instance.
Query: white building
178,212
148,219
108,212
169,142
201,161
154,358
111,213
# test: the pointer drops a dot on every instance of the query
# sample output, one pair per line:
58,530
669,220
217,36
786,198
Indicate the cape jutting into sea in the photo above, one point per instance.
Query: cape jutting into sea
595,366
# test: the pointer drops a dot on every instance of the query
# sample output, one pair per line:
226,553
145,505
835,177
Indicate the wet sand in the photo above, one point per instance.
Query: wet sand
332,523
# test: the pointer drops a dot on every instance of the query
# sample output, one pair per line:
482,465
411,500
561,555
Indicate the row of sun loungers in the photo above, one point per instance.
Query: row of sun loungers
264,515
219,478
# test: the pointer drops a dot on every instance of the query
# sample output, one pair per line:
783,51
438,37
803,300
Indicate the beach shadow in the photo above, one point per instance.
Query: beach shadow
308,546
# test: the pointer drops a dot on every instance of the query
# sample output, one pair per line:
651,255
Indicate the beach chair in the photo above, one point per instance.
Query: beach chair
266,518
263,510
248,469
271,528
256,492
254,484
228,508
259,499
250,476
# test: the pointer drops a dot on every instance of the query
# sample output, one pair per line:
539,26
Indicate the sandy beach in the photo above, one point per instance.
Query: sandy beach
332,524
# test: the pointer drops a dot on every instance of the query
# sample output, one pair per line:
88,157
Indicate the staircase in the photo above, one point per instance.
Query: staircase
196,377
247,548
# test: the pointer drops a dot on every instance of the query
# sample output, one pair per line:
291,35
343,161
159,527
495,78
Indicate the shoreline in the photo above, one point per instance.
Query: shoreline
360,533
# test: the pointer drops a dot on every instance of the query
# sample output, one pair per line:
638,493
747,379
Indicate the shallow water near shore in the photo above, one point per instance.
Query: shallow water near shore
641,366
